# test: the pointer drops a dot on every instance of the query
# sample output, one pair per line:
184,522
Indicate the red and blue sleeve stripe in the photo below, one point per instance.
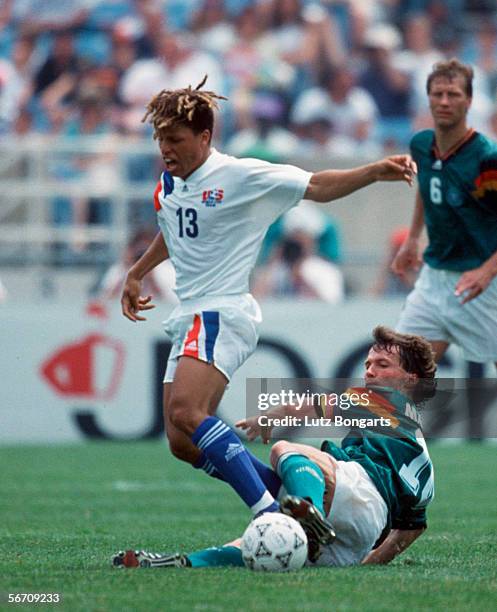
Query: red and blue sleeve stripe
165,186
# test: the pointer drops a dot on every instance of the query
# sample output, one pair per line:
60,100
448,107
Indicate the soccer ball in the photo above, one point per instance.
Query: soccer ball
274,542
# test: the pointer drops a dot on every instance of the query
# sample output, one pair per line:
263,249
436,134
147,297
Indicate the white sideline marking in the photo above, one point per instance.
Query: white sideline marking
135,485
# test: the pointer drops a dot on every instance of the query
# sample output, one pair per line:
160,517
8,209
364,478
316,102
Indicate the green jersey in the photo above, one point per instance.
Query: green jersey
393,452
459,193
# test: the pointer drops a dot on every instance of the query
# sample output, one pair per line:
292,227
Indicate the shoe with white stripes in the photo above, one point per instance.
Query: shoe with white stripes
142,558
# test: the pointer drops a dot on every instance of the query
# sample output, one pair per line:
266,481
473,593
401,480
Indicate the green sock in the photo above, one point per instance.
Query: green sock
221,556
302,477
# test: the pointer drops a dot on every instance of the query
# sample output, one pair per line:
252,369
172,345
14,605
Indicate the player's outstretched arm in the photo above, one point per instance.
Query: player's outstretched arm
394,544
408,256
131,300
333,184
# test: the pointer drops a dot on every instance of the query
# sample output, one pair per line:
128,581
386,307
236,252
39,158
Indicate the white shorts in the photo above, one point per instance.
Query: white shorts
433,311
222,330
358,514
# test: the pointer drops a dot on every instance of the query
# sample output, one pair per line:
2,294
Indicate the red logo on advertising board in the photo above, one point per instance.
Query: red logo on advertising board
90,368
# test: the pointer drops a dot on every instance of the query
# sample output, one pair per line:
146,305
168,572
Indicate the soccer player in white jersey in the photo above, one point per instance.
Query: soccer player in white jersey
213,211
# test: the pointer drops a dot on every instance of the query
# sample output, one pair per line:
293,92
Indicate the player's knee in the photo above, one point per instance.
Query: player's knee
181,450
278,450
182,415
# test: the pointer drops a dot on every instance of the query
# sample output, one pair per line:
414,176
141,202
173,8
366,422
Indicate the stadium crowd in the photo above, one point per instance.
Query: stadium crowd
301,76
335,78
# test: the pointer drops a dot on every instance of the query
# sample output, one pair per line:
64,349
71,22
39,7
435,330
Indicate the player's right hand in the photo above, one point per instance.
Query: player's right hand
132,302
408,258
253,429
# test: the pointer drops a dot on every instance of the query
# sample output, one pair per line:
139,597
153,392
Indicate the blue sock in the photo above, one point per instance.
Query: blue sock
302,477
203,463
268,476
224,449
217,557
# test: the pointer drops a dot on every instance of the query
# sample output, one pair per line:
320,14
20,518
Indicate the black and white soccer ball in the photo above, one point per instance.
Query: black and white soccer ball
274,542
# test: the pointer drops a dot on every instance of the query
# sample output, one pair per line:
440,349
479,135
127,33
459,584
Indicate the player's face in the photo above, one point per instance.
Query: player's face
383,368
182,150
449,102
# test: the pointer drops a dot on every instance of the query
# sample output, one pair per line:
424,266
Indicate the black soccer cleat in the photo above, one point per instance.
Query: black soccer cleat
319,531
142,558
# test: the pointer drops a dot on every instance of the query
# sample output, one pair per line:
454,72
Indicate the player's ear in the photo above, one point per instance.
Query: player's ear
206,137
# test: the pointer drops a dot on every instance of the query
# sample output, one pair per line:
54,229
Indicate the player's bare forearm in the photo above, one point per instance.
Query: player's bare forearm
394,544
155,254
418,218
330,185
408,256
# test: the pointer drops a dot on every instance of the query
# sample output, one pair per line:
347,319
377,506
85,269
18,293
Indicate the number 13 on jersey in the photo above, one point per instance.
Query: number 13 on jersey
187,222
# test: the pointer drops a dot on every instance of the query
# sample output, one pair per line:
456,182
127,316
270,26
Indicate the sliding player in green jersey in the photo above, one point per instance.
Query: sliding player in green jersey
373,490
455,297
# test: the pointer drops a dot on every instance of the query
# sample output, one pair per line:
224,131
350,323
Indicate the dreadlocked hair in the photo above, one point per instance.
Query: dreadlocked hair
416,357
190,107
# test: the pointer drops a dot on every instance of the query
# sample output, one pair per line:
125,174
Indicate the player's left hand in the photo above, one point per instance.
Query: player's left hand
132,302
396,168
253,429
472,283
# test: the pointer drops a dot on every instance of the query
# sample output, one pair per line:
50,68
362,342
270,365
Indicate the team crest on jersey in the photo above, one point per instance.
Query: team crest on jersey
455,197
212,197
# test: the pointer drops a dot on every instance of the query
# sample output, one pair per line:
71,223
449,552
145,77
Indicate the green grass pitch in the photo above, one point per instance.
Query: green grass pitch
65,509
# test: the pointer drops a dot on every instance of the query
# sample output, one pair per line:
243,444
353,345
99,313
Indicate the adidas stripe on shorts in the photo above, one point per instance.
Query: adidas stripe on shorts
222,330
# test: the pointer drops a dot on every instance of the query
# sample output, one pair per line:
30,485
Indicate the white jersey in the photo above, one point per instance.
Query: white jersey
214,222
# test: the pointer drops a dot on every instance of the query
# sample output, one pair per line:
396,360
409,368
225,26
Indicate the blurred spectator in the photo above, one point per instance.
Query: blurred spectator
96,170
294,270
57,78
308,218
445,16
265,136
159,283
35,17
15,82
418,57
251,76
481,50
359,18
389,284
23,124
350,109
212,27
389,86
178,64
243,59
303,37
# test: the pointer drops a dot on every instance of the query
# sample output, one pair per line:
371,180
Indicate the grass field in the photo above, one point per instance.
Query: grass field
64,510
